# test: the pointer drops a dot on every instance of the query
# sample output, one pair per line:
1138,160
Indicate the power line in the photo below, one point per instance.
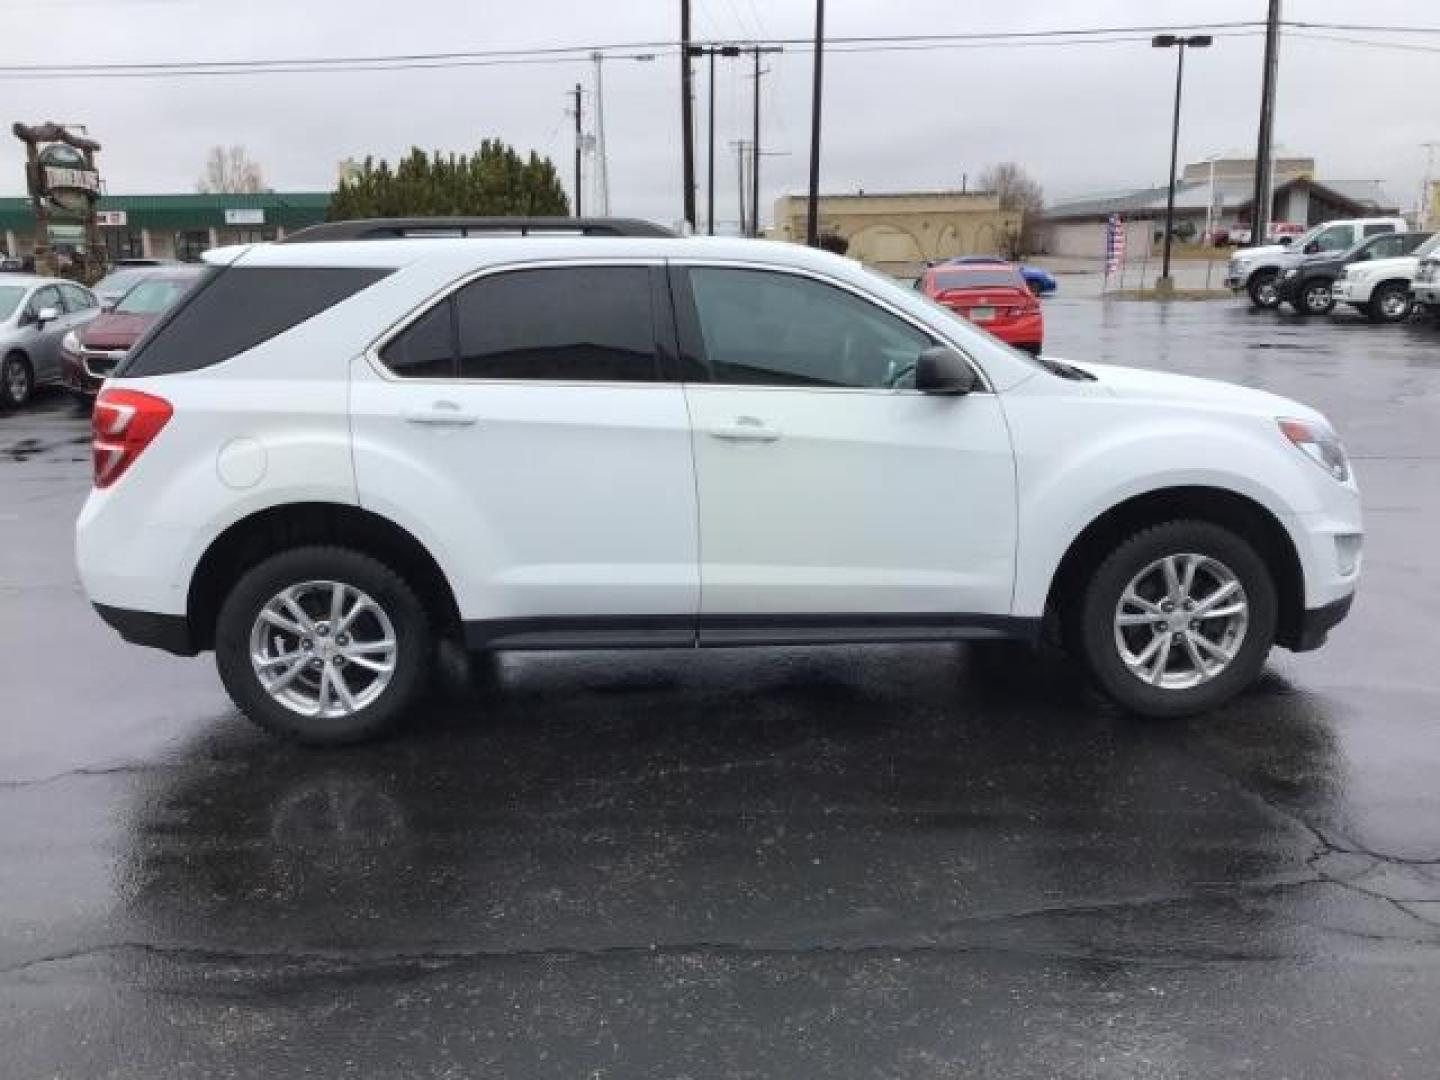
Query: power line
574,54
583,52
1393,45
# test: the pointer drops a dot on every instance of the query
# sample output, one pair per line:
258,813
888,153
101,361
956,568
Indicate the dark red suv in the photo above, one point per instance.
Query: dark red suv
91,353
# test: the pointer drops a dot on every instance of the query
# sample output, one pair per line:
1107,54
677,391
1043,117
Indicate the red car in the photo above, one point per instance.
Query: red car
994,296
89,354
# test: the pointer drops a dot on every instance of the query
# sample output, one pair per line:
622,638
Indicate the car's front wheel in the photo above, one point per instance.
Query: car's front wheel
1316,298
1391,303
1178,619
16,381
1264,289
324,645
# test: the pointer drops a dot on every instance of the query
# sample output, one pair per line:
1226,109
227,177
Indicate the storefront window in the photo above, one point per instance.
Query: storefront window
190,244
122,243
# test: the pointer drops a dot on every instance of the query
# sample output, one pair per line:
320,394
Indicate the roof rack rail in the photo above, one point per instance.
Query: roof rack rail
426,227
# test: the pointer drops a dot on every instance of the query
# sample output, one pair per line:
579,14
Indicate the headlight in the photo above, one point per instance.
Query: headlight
1319,444
71,343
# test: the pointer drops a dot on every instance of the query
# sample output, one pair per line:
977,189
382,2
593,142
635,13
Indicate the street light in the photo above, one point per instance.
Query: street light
1167,41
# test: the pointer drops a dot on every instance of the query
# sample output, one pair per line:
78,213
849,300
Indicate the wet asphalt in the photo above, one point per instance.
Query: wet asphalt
845,862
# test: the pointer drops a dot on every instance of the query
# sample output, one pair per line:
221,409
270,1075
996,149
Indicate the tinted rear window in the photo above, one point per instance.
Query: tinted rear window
977,277
231,310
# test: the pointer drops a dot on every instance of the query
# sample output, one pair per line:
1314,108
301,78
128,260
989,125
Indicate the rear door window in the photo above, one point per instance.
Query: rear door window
235,309
566,323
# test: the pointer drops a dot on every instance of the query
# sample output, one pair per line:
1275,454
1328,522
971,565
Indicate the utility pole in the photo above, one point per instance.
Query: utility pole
1426,184
740,148
812,207
579,146
712,51
1264,163
602,164
756,51
687,120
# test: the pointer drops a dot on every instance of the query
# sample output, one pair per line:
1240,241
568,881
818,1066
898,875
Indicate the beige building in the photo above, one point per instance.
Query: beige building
900,232
1432,206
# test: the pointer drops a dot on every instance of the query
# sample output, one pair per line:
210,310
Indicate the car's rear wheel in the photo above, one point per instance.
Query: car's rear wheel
1178,619
1264,289
1315,297
1390,303
324,645
17,381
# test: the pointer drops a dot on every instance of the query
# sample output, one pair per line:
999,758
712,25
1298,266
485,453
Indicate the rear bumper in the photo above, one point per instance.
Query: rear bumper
1318,622
168,632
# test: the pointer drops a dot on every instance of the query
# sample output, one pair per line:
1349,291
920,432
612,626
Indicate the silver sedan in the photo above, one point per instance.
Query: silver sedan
35,313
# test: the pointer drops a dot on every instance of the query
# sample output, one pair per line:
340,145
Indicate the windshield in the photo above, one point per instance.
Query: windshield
152,297
10,297
118,282
1430,247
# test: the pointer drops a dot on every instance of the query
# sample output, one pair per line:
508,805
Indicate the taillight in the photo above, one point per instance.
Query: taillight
124,423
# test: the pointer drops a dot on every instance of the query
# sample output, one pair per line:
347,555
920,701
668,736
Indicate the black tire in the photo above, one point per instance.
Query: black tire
413,649
1262,289
1314,297
1101,598
1385,303
17,381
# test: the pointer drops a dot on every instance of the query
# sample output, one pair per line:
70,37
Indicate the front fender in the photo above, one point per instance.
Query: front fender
1062,489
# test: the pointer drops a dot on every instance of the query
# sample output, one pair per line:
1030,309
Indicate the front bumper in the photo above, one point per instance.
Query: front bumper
168,632
75,377
1427,292
1317,623
1350,292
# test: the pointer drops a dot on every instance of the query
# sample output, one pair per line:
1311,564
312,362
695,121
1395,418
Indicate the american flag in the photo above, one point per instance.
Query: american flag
1114,244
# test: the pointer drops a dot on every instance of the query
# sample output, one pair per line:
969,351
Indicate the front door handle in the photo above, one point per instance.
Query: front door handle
441,414
745,429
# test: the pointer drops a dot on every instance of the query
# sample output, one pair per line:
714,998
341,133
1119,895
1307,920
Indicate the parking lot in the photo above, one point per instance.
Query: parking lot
846,862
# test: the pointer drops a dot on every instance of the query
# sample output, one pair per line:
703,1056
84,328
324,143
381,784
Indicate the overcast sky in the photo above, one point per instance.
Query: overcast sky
1082,119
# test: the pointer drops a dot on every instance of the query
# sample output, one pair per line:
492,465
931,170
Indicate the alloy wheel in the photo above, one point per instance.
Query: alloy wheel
1394,304
1317,299
17,380
323,648
1181,621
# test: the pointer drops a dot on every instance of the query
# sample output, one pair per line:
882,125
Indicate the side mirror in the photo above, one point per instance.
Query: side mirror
47,315
941,370
1312,247
109,303
1364,256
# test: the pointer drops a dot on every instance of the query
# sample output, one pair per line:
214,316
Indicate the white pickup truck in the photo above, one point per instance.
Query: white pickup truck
1258,270
1381,289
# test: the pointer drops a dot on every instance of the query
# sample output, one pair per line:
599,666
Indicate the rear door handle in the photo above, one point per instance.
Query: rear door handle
745,429
441,414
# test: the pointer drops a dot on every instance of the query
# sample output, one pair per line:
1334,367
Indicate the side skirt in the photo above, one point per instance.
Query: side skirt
721,631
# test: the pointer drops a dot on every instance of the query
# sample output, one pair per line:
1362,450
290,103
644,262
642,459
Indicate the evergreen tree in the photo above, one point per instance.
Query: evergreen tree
493,181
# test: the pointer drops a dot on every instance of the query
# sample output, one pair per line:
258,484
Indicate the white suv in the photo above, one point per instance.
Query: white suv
334,454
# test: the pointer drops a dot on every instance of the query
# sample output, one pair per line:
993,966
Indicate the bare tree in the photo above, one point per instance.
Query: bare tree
1018,190
228,170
